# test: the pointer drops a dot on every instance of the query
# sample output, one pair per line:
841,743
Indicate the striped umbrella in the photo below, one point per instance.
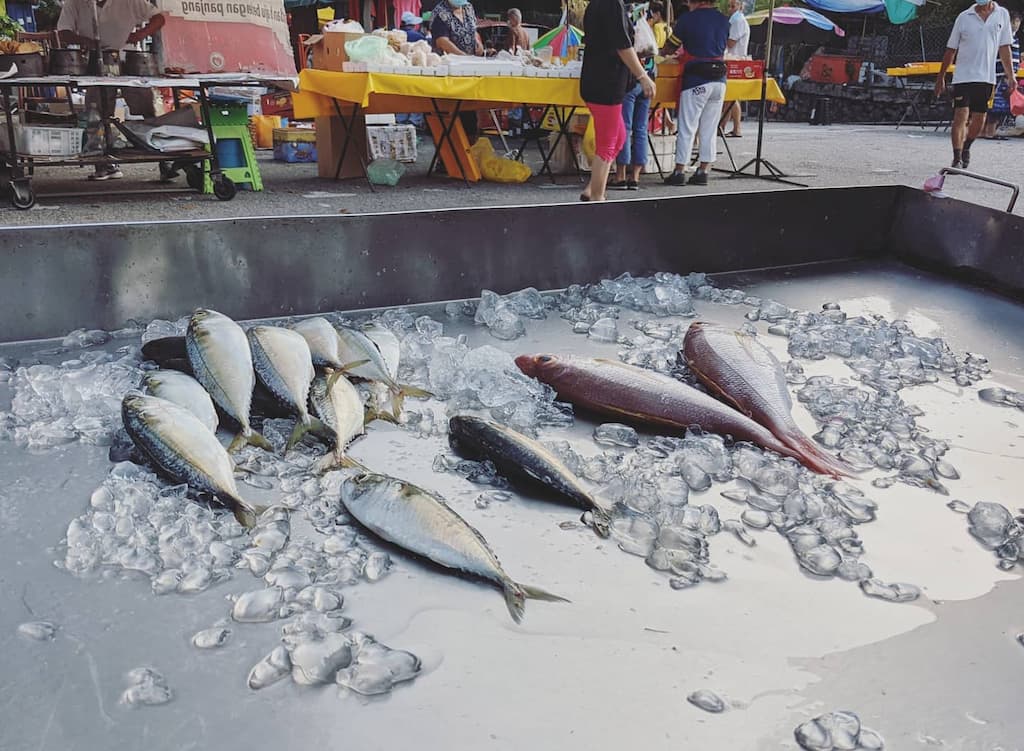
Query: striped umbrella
560,39
793,16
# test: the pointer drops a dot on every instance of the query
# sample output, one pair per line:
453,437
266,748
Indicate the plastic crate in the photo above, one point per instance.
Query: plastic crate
38,140
744,68
295,145
229,113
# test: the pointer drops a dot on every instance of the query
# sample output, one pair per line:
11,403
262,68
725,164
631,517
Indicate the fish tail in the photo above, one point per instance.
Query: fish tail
817,458
302,427
333,374
400,392
373,414
337,460
253,439
517,594
601,521
247,514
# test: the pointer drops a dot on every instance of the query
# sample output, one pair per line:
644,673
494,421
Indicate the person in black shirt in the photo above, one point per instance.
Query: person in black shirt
609,61
702,34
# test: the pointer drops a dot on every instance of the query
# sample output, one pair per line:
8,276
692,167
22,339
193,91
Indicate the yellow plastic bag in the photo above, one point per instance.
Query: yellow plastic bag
589,144
265,125
497,169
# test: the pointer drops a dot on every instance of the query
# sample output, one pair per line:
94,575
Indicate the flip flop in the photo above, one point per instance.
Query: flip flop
733,135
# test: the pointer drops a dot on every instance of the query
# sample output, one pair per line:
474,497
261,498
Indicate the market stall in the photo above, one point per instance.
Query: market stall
193,47
344,95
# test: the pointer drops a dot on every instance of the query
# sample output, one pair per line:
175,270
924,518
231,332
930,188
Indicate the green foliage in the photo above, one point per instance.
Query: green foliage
9,28
47,13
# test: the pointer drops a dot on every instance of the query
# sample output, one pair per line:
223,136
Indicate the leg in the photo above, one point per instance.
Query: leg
958,132
691,103
609,134
623,158
641,111
708,128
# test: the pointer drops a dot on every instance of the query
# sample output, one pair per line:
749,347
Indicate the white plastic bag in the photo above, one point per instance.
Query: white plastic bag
643,39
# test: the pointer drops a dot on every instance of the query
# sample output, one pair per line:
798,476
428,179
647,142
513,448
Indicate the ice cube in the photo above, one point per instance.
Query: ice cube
616,434
604,330
707,700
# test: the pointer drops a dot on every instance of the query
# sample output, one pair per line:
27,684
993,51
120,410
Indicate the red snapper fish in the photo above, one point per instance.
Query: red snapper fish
649,398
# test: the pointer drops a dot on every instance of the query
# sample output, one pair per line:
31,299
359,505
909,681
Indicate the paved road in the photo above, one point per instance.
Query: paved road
841,155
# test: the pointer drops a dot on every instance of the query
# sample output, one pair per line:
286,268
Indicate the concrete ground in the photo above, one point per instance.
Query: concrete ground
840,155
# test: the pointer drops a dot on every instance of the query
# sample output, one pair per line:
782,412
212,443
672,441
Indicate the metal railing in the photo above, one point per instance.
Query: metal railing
986,179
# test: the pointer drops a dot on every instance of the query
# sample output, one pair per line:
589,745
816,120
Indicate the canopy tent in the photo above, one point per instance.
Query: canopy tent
848,6
794,25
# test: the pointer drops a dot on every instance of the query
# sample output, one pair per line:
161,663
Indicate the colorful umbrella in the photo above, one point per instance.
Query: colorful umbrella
560,39
793,16
848,6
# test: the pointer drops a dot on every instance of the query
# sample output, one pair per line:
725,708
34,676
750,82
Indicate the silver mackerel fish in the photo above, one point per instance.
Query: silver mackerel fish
219,354
185,449
284,365
183,390
422,523
340,407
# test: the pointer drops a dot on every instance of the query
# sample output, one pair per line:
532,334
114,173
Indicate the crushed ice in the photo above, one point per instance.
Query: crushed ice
837,731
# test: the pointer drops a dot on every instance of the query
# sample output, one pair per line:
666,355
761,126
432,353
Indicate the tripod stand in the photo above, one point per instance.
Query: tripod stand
759,163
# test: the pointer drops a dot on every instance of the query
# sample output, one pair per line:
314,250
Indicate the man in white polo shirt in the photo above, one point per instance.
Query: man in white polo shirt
980,33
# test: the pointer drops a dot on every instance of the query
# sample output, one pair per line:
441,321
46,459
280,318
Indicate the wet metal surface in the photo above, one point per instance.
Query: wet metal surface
614,668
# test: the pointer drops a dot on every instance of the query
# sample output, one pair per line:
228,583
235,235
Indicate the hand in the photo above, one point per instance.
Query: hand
135,37
647,85
940,86
1011,84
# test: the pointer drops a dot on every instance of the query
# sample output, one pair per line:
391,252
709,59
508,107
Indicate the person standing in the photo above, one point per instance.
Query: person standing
111,25
702,35
1001,101
735,49
411,26
517,38
453,28
636,108
608,64
979,33
656,18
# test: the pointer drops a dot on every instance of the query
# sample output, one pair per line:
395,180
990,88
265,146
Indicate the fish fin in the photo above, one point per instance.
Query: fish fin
236,443
517,594
247,515
333,461
300,430
817,458
601,521
350,366
256,439
401,393
536,593
373,414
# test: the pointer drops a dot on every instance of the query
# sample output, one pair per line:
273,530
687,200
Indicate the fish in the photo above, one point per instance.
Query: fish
185,450
355,346
324,345
519,457
745,374
185,391
218,351
388,344
284,366
340,407
645,397
423,524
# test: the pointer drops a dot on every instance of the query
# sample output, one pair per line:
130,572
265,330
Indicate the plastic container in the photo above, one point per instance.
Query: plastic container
744,68
229,113
38,140
265,125
230,153
295,145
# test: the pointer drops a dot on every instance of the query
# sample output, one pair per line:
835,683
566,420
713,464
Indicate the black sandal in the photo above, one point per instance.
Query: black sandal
584,197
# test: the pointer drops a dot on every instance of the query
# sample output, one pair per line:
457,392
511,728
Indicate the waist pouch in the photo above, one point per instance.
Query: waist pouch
712,70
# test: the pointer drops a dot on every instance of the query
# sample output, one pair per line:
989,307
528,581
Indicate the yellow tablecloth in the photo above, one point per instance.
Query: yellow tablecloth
394,92
925,69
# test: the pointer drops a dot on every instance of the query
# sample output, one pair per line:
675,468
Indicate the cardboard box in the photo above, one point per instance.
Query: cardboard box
396,142
330,137
329,49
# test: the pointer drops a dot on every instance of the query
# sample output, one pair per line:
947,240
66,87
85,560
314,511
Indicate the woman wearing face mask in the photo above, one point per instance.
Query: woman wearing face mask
453,27
610,65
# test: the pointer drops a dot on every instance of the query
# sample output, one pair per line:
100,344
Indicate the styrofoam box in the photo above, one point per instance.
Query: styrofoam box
37,140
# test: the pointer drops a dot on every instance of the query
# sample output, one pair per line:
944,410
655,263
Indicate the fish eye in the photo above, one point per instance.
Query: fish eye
545,358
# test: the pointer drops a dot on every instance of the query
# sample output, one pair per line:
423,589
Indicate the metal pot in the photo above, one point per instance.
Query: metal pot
64,62
29,64
138,63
